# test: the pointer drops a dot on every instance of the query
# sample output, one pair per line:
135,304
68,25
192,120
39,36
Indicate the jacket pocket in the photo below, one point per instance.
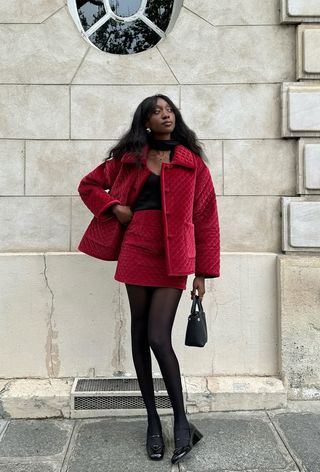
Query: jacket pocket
190,239
103,238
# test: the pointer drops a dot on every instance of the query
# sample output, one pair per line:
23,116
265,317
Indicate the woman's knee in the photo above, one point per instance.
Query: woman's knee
161,347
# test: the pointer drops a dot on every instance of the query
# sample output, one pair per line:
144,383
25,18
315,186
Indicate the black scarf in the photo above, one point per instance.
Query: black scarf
162,144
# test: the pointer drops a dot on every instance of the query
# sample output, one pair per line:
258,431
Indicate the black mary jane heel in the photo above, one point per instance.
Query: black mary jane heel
181,451
155,451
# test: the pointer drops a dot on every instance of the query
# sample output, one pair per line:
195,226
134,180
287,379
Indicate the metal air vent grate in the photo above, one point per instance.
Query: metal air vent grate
114,396
115,385
119,402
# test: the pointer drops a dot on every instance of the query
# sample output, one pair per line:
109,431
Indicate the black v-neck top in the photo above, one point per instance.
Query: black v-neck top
150,195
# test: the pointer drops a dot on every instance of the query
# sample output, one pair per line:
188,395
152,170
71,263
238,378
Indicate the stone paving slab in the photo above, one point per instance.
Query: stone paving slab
114,445
242,441
32,445
301,432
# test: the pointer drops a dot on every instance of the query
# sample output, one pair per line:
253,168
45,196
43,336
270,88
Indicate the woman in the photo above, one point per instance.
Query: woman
162,194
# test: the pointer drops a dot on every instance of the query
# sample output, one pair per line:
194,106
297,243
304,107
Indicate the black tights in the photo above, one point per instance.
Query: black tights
153,311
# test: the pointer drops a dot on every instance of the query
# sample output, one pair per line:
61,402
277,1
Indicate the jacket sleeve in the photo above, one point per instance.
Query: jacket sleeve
93,185
206,225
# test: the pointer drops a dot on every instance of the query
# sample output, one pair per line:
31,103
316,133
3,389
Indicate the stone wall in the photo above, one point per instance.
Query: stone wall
298,272
64,103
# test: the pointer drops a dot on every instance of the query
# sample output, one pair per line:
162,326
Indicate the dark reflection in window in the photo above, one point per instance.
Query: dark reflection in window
124,38
125,7
90,11
159,12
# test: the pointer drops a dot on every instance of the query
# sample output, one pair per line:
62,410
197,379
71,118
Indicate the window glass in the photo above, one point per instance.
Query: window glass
124,38
159,12
125,7
90,12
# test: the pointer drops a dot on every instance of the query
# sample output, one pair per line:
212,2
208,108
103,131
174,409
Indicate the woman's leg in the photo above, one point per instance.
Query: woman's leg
139,301
162,312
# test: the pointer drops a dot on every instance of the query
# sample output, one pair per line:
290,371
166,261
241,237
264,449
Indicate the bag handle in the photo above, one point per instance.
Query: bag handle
196,301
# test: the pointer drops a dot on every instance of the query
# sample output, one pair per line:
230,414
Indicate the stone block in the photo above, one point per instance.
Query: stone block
232,111
249,223
259,167
213,151
34,11
234,393
300,330
300,109
240,12
298,11
304,224
148,67
246,393
308,166
301,223
312,166
36,398
34,223
25,302
201,44
11,167
308,51
34,111
67,161
105,112
89,319
56,49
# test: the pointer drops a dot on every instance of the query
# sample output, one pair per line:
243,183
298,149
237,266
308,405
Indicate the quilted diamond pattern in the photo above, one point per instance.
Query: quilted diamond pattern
142,258
189,208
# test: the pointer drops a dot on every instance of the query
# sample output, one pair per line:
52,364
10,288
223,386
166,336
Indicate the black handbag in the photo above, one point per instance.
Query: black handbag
196,334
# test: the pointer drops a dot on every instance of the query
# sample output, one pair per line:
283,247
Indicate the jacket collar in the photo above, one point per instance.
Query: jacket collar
181,156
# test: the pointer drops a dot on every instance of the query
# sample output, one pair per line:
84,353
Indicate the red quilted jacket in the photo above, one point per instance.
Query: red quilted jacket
190,214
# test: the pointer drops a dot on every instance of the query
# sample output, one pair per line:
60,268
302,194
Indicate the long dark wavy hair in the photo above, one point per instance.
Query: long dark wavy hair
136,137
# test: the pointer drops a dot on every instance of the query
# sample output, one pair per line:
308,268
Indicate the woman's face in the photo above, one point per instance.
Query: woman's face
162,121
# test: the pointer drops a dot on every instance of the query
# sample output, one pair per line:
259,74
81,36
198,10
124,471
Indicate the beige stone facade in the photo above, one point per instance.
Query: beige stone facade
254,101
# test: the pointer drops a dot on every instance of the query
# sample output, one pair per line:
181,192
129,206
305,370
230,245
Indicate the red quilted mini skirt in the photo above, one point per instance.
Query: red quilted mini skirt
142,258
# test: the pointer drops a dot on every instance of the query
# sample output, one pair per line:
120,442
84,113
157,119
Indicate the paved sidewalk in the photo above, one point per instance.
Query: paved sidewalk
261,441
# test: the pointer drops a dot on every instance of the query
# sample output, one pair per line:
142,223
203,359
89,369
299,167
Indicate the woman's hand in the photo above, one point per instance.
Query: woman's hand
198,284
123,213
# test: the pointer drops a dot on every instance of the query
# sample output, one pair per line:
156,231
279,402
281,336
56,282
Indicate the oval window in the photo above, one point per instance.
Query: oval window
124,26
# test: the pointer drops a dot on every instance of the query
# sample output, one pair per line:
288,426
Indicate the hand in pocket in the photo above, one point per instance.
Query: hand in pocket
123,213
